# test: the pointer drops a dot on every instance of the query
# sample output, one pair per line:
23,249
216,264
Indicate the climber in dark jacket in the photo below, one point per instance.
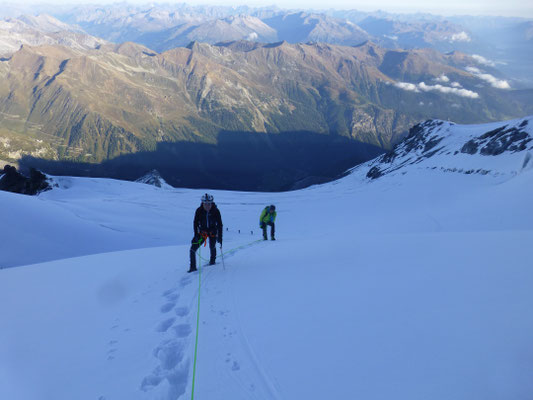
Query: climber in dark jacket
207,224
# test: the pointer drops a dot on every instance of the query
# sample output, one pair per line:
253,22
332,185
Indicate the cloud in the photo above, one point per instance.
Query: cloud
391,37
443,79
456,85
460,37
407,86
252,36
422,87
495,82
482,60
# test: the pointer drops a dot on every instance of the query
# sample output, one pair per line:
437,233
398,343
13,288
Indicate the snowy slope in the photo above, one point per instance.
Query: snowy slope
496,149
413,285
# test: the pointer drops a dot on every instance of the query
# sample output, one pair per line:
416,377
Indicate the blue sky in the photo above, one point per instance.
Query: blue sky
473,7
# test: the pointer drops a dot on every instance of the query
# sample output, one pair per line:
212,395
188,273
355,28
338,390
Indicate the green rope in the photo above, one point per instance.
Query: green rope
198,312
197,325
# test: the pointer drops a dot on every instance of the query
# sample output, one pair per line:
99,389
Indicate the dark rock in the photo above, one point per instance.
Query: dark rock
388,157
499,141
432,143
374,173
496,132
509,140
470,147
13,181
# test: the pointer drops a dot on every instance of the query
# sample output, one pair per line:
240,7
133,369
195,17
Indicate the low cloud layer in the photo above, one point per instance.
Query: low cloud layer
482,60
460,37
423,87
495,82
443,79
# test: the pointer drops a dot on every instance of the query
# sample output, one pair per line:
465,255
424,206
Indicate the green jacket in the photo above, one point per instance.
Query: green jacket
266,216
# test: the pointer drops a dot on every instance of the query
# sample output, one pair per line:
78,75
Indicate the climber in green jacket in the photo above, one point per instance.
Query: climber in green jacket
268,216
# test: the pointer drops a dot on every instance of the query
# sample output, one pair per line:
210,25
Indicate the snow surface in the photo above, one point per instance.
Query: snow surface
416,285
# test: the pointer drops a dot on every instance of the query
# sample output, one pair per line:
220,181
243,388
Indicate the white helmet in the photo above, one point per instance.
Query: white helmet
207,198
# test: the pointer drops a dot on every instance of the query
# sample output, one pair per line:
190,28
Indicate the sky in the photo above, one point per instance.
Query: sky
471,7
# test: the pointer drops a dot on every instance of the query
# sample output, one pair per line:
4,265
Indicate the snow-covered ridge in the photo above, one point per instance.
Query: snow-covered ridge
153,178
496,148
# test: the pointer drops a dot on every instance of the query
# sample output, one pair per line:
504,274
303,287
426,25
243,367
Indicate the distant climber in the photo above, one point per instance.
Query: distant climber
207,224
268,216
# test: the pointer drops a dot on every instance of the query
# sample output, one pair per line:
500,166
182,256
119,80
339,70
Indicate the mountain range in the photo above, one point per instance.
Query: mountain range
42,30
503,41
205,102
198,111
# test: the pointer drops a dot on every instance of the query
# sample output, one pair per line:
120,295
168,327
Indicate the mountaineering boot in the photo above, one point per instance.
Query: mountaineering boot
212,262
272,238
192,270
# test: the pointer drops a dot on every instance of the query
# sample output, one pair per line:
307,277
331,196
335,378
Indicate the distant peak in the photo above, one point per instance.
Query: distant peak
153,178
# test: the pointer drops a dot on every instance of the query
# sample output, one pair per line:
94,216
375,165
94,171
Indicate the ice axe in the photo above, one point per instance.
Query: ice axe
222,255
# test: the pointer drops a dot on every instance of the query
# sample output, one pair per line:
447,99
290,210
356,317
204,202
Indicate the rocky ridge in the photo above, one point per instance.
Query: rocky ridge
464,149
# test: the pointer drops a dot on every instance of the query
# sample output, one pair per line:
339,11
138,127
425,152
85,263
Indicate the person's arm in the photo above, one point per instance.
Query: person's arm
195,223
274,214
219,224
263,213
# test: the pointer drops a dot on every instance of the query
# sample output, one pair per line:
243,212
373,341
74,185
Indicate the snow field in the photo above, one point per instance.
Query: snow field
413,286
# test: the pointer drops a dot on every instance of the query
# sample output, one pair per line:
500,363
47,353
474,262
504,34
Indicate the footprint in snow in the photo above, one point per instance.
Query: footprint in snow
182,311
164,325
173,367
169,291
171,294
234,366
182,330
167,307
186,280
173,297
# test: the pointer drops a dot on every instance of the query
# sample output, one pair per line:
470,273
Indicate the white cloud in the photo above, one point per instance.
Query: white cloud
252,36
473,70
495,82
438,88
407,86
460,37
482,60
456,84
443,79
391,37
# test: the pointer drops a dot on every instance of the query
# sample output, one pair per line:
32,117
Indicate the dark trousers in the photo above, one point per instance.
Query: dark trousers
198,241
272,229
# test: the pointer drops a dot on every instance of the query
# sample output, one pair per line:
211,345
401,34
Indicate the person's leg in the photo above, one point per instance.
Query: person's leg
272,230
213,249
195,244
264,227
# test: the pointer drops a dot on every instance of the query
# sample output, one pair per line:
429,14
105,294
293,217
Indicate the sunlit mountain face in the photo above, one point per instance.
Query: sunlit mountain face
198,92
